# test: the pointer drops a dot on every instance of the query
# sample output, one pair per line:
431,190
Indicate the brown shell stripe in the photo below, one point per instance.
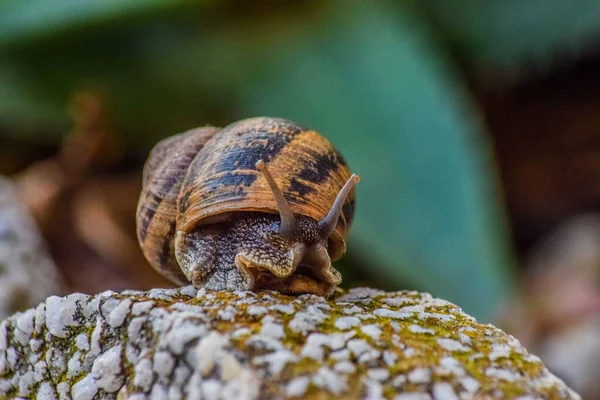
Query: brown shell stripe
313,185
157,208
306,166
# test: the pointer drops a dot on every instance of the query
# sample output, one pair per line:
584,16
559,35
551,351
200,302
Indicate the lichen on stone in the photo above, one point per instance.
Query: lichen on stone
184,343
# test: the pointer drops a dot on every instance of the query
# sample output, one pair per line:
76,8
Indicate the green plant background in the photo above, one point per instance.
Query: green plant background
387,82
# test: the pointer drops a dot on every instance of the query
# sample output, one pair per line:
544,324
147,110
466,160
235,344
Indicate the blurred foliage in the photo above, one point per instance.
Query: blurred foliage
372,79
379,79
513,37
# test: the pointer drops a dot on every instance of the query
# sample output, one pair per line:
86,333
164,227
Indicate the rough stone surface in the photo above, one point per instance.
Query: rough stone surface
27,273
196,344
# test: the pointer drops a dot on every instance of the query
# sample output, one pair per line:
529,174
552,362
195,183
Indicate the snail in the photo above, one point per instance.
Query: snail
262,204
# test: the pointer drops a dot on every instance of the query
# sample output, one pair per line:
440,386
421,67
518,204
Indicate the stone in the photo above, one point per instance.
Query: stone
345,323
27,273
107,370
198,344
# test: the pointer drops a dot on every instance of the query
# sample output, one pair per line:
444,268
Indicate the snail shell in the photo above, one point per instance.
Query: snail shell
213,184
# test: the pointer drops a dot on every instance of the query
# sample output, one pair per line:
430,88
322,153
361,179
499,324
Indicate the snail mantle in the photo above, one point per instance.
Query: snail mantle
188,343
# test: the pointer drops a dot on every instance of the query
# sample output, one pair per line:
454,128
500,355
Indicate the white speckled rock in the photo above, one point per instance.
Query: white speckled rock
27,273
172,344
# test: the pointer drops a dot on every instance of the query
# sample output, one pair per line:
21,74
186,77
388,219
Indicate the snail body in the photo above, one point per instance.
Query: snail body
260,204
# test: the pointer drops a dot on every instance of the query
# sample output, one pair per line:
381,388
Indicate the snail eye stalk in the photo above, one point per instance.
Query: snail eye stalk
289,224
328,223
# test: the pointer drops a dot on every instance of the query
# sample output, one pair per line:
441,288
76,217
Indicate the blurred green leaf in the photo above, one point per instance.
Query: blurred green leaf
22,20
135,64
372,80
513,34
